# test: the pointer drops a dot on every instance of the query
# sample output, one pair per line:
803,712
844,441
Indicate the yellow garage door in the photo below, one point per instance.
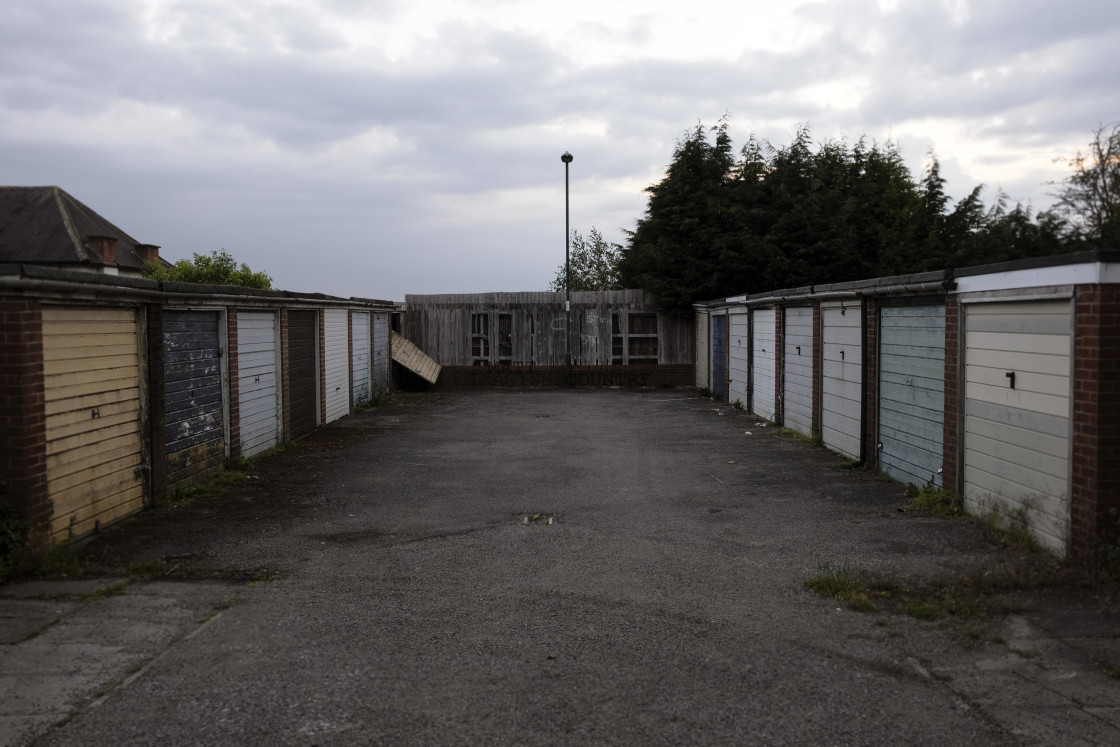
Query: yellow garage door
92,384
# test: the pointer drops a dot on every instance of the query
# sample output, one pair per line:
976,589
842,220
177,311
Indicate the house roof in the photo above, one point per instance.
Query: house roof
46,225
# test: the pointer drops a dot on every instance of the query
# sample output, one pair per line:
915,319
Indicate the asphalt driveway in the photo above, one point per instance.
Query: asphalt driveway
655,596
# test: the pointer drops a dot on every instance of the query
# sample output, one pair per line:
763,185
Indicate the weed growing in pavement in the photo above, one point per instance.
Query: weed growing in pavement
181,497
930,500
737,404
704,392
955,601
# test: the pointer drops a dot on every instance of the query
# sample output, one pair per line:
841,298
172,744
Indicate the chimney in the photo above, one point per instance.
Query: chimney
148,252
106,248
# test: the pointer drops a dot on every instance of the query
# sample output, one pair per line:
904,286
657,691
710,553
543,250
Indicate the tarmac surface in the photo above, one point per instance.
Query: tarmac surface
655,596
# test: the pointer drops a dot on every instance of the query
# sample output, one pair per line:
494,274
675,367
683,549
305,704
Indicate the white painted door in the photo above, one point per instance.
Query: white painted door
797,370
763,402
258,394
739,346
1017,414
380,352
912,392
336,349
842,377
359,352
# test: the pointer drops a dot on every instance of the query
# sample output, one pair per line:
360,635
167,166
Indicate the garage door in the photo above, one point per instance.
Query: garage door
739,348
797,370
258,392
763,401
303,370
194,432
359,355
841,377
336,348
912,392
719,355
1017,402
92,393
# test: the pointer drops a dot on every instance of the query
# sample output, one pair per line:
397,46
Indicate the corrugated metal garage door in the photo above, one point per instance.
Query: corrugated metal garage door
194,433
702,369
797,370
1017,404
841,377
303,372
719,355
739,356
258,393
336,347
359,347
380,353
912,392
92,393
764,366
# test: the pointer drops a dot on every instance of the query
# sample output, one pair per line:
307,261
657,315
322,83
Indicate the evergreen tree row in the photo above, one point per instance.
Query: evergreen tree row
783,217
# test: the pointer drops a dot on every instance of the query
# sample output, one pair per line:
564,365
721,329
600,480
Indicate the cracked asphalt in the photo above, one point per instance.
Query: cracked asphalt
663,605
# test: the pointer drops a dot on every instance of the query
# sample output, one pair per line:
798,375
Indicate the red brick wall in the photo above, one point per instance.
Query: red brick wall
950,433
23,420
1095,488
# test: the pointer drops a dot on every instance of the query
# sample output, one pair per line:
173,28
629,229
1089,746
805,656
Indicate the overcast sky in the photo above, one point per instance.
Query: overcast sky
376,148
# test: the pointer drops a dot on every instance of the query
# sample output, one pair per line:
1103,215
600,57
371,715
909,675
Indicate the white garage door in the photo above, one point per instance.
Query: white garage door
763,402
258,394
739,346
1017,403
337,351
912,392
841,377
797,376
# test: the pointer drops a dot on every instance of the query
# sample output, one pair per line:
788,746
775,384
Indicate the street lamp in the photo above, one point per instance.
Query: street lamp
567,158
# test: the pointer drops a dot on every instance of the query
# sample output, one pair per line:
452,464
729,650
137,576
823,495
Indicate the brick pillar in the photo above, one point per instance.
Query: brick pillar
870,437
157,403
1094,496
322,367
818,362
234,387
285,382
23,418
350,357
779,365
950,433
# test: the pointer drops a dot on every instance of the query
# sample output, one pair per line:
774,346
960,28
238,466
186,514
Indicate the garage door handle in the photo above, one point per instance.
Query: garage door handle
1011,375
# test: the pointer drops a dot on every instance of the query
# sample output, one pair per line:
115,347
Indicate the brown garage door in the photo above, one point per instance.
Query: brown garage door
303,366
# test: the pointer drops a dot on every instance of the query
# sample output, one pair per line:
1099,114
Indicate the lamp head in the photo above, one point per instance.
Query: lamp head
567,157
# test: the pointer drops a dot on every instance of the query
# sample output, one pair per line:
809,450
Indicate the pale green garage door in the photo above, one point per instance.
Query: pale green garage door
1017,405
912,392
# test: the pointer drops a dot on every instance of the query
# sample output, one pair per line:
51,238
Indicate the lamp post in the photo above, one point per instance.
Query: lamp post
567,158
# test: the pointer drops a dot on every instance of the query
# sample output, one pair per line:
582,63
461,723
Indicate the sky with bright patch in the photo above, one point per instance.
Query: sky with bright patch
375,148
